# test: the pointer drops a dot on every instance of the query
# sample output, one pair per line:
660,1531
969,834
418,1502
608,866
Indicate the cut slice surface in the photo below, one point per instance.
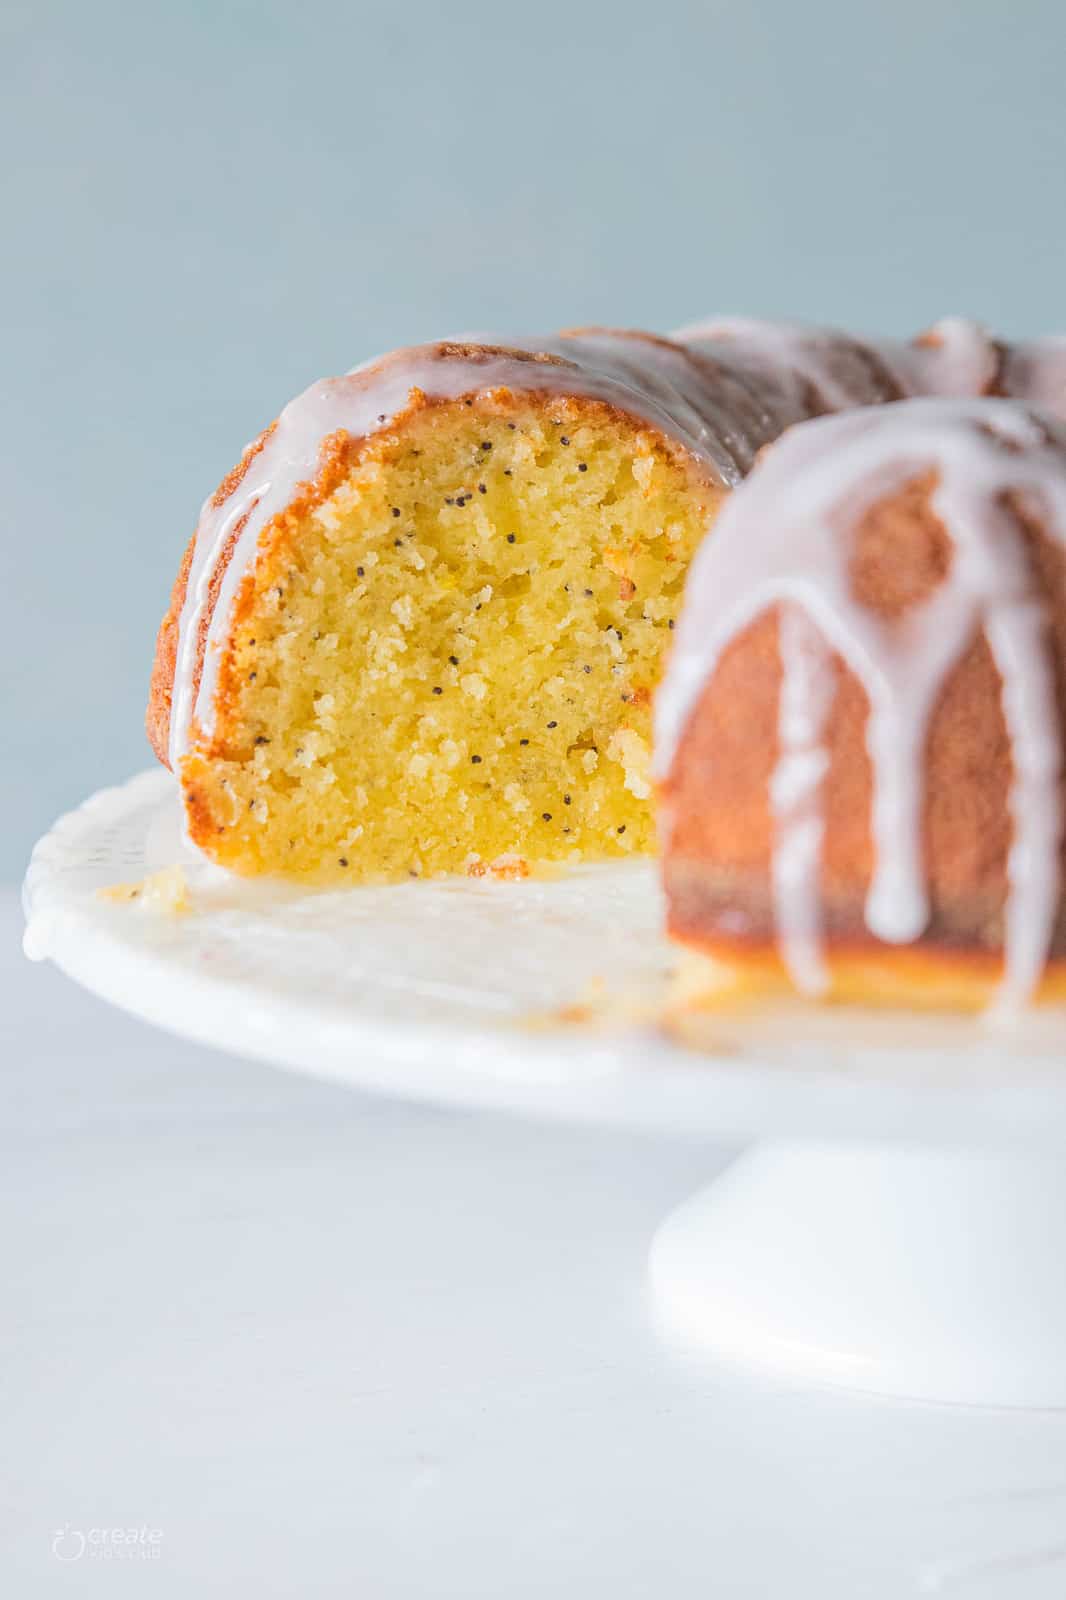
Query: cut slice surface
446,661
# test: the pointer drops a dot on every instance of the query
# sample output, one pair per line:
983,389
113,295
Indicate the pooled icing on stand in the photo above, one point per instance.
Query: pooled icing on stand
783,540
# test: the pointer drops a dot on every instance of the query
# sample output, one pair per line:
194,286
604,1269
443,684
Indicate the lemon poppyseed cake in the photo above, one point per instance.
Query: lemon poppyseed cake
860,735
419,624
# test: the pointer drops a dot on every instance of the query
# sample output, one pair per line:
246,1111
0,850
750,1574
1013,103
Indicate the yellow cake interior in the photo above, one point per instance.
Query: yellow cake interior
447,665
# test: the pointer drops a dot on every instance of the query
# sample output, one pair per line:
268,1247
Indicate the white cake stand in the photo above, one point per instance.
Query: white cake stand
900,1227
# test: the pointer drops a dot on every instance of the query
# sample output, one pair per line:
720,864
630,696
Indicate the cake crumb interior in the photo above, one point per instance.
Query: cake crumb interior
451,660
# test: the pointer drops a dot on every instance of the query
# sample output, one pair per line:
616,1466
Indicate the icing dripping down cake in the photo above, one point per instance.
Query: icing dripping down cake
860,735
419,625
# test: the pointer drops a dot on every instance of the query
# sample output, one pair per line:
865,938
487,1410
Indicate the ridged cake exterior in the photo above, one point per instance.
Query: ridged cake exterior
860,736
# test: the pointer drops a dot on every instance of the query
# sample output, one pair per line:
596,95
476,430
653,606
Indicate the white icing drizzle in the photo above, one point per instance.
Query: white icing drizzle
807,685
784,538
954,357
1036,369
1016,637
818,369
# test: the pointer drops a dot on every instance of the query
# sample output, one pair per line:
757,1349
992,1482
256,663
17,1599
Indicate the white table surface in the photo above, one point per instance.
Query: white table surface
317,1343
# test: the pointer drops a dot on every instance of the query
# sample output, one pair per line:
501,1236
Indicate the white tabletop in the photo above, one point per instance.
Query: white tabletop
307,1342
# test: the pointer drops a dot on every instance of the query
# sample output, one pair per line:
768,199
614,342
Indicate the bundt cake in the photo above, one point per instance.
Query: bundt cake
860,733
419,625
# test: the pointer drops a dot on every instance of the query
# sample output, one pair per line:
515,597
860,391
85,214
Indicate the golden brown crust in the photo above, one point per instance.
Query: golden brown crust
235,476
720,849
717,975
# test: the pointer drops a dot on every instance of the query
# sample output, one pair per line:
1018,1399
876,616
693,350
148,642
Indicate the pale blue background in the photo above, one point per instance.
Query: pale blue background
206,206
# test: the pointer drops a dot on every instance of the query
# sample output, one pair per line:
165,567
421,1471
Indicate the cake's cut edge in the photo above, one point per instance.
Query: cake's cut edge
453,528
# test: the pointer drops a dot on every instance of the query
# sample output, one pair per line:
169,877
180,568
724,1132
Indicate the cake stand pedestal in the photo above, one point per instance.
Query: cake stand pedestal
902,1228
921,1274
